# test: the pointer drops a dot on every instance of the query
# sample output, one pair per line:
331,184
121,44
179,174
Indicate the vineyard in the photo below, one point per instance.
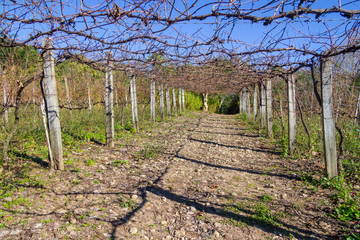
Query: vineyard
180,120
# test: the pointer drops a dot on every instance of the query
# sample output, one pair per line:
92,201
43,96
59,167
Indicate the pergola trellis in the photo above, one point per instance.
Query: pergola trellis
212,60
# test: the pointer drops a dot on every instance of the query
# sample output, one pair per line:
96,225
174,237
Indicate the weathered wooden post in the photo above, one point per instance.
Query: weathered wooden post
134,109
269,116
255,103
357,110
89,98
205,102
6,113
68,101
168,104
263,105
109,101
180,105
161,96
43,114
328,118
248,103
52,105
183,98
292,112
174,101
152,100
240,103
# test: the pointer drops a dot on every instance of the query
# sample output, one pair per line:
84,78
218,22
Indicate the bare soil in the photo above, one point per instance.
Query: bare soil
199,176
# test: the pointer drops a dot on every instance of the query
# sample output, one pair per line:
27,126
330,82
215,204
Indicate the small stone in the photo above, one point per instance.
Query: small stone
270,185
72,220
163,223
8,199
133,230
216,234
143,176
193,209
153,230
163,198
168,237
145,237
38,225
284,196
217,225
16,231
134,197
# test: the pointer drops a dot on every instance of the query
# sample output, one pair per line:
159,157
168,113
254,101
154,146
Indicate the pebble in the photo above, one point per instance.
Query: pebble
163,223
38,225
216,234
153,230
168,237
134,197
133,230
16,231
163,198
72,220
284,196
217,225
193,209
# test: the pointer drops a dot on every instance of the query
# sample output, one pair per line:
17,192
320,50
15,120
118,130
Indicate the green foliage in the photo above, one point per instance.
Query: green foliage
149,151
193,101
118,163
228,104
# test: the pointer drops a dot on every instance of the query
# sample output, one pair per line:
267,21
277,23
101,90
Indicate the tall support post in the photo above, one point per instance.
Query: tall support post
357,110
328,118
269,116
109,101
255,103
152,100
174,101
6,113
205,102
240,102
126,97
68,101
292,112
89,98
168,104
161,96
248,103
134,109
180,105
244,101
52,105
183,98
263,105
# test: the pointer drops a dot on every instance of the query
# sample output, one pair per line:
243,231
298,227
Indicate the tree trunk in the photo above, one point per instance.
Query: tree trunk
52,104
68,97
205,102
269,116
174,101
152,100
292,112
161,95
168,104
328,120
263,105
109,102
134,109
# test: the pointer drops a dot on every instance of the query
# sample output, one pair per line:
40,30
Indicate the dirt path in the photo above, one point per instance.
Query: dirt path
199,177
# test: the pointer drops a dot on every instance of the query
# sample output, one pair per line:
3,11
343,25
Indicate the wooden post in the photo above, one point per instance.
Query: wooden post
263,105
68,96
328,119
292,112
43,114
52,104
183,98
134,109
109,101
174,101
248,103
152,100
168,104
6,113
240,103
180,105
126,97
161,96
89,98
255,105
269,116
205,102
357,109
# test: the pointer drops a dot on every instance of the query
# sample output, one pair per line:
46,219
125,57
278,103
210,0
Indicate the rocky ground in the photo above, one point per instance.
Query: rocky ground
199,176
